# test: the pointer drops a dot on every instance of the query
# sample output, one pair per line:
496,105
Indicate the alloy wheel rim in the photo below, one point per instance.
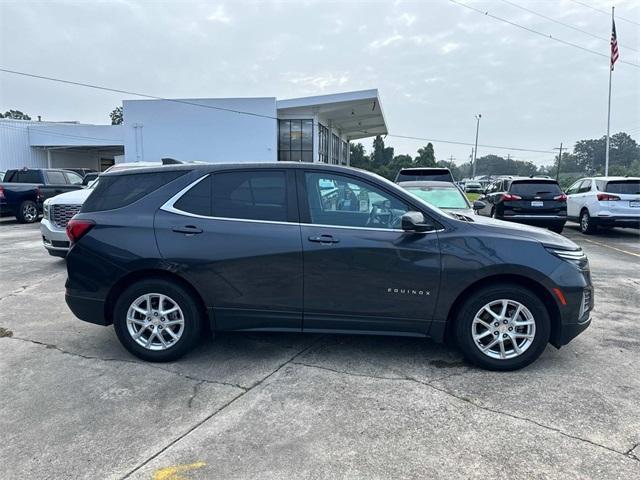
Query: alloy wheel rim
585,222
29,212
155,321
503,329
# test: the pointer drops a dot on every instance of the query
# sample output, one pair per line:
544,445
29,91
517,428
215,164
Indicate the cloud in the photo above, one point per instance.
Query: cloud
385,42
219,15
319,82
405,20
449,47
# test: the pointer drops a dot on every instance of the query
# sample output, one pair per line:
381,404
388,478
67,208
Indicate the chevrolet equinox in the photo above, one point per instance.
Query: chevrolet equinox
161,253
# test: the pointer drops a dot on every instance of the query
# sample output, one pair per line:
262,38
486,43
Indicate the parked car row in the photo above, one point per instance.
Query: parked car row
23,191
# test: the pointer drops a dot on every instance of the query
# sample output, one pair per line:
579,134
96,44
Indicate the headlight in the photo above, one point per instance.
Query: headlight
45,209
577,257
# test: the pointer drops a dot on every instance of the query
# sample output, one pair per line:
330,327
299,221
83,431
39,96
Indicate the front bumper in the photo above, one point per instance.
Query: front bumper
54,239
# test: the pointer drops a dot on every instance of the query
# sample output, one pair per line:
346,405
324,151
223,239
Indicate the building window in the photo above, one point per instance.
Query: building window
344,158
295,140
323,144
335,149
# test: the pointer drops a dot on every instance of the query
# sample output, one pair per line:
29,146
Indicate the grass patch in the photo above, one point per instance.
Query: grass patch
473,196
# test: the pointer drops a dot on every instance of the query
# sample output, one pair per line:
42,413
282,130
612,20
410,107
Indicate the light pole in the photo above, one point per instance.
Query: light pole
475,149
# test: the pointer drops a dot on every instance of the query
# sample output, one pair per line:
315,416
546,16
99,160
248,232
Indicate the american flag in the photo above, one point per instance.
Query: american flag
614,44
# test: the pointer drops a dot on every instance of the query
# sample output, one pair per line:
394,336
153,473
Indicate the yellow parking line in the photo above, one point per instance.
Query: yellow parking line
612,248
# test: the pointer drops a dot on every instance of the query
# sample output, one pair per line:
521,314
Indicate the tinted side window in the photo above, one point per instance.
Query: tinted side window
121,190
252,195
74,178
585,186
574,188
197,200
344,201
29,176
56,178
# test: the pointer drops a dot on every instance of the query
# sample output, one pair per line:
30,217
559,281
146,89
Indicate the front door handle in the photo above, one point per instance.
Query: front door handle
188,229
324,239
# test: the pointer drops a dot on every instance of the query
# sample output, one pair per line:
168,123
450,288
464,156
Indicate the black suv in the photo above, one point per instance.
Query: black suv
162,252
533,201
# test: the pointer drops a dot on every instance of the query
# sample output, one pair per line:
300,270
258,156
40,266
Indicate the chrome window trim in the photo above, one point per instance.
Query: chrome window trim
169,206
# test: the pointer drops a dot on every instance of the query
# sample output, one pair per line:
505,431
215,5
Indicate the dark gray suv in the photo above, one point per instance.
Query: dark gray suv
161,253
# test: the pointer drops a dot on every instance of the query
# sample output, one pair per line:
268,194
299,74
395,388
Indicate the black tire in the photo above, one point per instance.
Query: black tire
27,212
183,298
475,302
587,224
557,229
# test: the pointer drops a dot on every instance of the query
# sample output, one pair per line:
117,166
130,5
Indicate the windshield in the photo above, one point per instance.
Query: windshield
441,197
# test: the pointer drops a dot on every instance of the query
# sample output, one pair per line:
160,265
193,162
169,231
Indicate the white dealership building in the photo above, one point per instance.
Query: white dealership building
310,129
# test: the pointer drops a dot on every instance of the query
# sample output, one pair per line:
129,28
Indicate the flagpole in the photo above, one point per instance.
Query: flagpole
606,161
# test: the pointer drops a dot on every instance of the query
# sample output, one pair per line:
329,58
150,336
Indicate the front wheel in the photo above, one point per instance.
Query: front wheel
557,229
157,320
27,212
504,327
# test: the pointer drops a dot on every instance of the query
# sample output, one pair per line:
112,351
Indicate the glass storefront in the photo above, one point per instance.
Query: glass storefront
295,140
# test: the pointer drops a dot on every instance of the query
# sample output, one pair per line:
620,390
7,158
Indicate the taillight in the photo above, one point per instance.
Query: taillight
507,197
605,197
76,229
561,198
1,193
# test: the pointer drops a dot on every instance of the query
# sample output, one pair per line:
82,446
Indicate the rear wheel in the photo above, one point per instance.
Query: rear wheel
587,224
504,327
27,212
157,320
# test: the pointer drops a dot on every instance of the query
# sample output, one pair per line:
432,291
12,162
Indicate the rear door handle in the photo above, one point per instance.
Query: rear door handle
324,239
188,229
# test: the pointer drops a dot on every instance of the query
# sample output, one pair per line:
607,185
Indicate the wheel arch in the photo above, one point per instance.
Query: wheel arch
509,279
150,274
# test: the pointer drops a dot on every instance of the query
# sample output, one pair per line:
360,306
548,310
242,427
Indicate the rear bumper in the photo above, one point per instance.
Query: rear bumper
536,220
87,309
618,221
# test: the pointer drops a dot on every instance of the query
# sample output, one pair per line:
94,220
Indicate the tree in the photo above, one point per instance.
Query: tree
426,156
357,157
116,116
590,154
15,115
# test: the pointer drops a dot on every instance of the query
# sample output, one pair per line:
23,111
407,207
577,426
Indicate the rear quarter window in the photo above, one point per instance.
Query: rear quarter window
121,190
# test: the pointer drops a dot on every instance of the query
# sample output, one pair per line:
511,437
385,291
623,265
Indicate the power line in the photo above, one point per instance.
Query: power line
586,32
605,12
99,87
536,32
126,92
452,142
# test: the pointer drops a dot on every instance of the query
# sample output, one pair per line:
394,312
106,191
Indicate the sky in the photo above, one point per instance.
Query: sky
435,64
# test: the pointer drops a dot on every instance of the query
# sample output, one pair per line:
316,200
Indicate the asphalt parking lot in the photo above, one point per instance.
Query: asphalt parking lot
75,404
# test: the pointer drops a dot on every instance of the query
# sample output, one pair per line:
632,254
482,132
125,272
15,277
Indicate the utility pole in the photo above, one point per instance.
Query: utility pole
475,148
559,160
451,158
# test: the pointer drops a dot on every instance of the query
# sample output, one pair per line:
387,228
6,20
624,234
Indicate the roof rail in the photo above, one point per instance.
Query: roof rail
171,161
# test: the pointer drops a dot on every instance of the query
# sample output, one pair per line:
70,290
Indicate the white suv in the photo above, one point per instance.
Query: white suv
605,202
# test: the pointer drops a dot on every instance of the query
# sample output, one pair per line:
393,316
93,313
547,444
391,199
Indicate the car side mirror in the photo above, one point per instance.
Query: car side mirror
478,205
415,222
